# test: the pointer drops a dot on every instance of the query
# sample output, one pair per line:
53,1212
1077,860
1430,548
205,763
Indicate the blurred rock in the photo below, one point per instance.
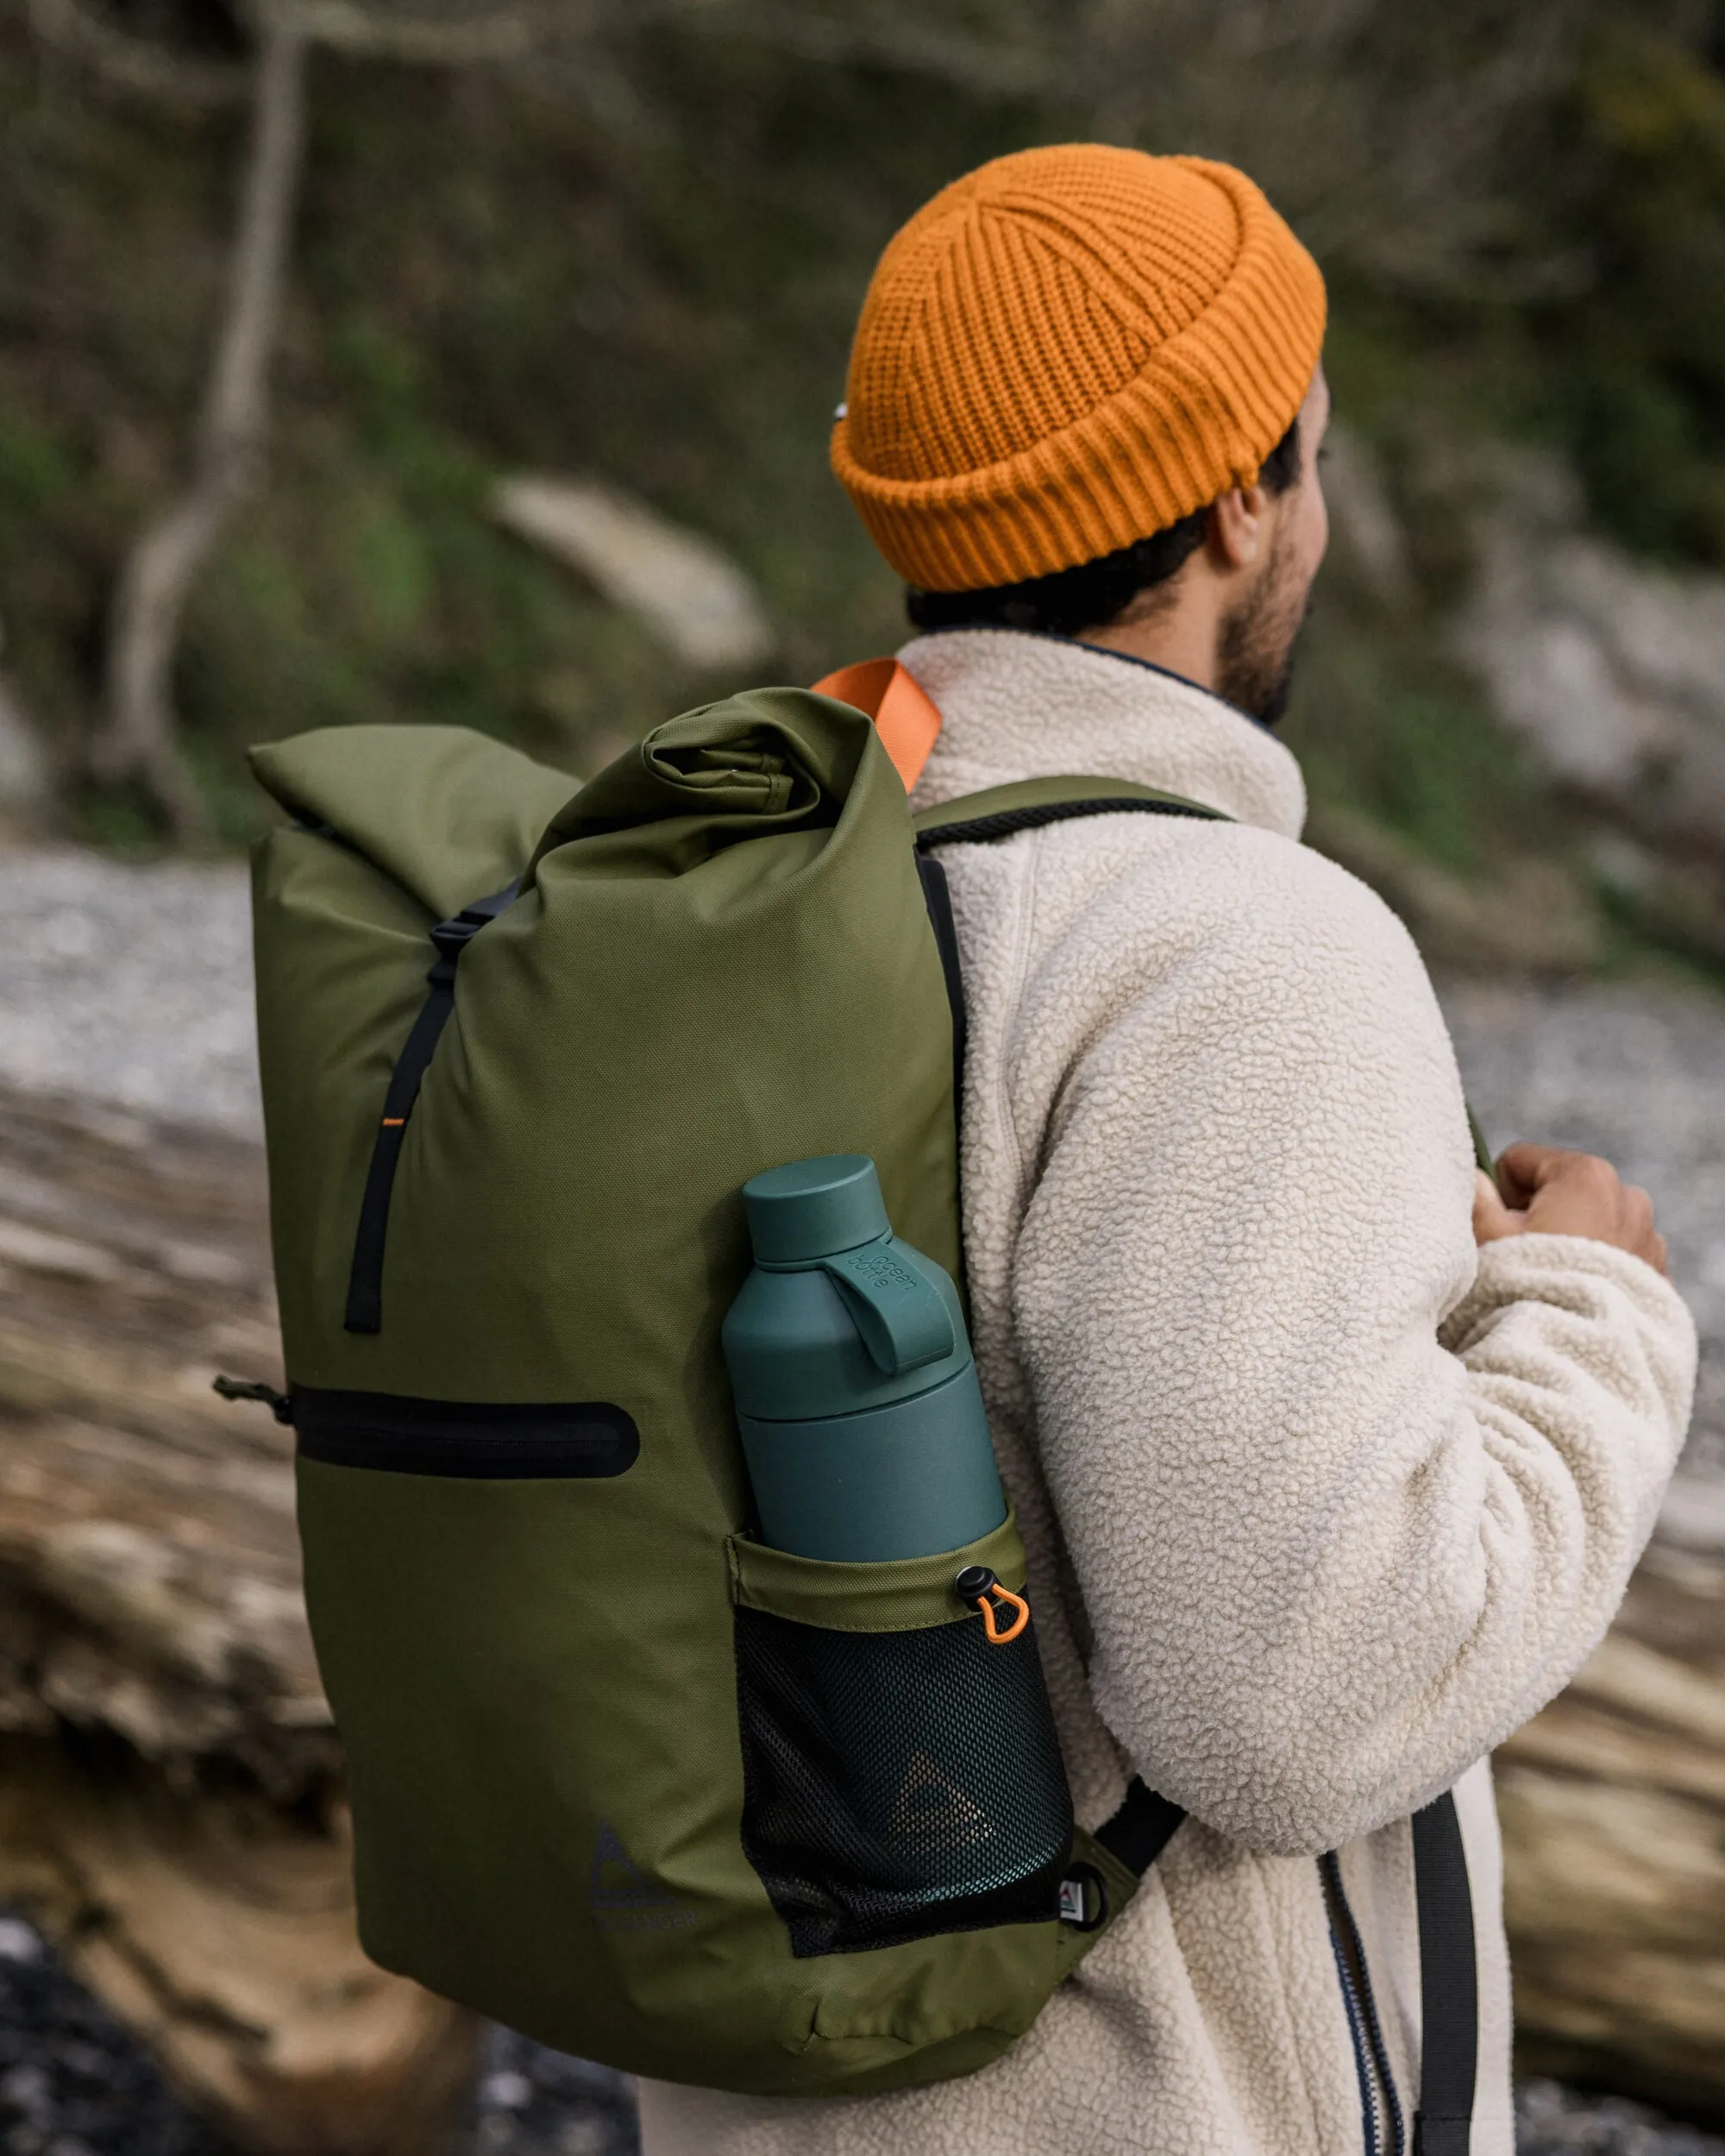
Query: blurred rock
1554,2121
25,788
1614,670
1363,519
1693,1514
1529,917
71,2078
686,590
537,2102
130,983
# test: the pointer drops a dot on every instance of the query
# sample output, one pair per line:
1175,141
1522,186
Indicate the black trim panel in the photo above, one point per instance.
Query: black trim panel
484,1440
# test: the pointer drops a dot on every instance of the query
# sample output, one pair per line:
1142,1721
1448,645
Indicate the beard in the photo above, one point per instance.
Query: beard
1258,637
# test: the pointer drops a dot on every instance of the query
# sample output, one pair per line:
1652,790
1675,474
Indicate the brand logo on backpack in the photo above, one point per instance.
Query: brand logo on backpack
931,1812
623,1898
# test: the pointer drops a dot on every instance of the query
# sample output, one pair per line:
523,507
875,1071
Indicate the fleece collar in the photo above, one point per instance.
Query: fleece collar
1016,705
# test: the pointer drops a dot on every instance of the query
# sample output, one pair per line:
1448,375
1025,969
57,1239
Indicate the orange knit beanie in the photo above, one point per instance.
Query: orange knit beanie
1067,350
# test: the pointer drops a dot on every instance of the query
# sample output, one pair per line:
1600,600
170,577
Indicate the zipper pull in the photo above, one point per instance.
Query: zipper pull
280,1404
978,1585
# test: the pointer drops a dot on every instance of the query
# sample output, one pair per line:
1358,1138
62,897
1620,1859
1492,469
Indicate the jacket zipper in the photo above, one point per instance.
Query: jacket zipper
1368,2103
1370,2054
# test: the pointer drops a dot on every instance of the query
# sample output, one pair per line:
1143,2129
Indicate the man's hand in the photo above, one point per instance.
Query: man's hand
1543,1191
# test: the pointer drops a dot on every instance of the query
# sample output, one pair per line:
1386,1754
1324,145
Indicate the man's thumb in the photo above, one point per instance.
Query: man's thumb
1492,1218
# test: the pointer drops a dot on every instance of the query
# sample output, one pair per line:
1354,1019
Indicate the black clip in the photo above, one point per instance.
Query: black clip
452,936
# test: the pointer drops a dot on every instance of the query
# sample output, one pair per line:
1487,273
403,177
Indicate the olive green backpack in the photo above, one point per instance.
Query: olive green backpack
522,1046
586,1716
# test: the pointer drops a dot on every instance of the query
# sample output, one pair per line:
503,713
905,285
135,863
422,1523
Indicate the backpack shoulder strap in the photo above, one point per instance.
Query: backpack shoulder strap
1111,1862
1000,812
1449,1982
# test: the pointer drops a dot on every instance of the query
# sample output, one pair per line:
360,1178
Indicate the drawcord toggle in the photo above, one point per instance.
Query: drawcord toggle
977,1584
280,1404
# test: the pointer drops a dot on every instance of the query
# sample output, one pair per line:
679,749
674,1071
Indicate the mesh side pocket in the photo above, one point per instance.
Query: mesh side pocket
900,1784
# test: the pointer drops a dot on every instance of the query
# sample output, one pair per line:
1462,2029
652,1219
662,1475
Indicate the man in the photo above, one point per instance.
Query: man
1333,1459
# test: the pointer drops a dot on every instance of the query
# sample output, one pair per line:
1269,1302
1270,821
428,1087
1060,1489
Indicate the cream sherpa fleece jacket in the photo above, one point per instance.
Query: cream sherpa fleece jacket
1321,1502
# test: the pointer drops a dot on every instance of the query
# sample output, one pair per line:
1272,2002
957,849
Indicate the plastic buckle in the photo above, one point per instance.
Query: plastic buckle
452,937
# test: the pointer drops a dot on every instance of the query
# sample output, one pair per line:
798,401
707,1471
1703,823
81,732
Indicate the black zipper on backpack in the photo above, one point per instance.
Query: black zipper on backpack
482,1440
1371,2054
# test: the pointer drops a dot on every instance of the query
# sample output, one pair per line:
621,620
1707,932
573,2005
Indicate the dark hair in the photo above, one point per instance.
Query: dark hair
1095,593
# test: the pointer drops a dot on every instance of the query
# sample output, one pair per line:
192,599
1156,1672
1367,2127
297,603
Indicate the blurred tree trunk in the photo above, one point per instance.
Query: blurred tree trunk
137,739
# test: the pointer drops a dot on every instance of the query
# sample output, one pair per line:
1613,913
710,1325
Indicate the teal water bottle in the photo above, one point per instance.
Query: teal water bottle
903,1780
856,1395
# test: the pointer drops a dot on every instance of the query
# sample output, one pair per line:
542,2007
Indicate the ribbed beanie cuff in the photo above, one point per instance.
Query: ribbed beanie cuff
1065,351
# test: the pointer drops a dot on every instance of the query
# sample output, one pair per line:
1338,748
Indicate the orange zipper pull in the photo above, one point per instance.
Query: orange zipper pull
978,1585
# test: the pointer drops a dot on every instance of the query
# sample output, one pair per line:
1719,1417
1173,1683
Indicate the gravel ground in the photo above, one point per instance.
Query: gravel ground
129,984
70,2082
133,984
1553,2122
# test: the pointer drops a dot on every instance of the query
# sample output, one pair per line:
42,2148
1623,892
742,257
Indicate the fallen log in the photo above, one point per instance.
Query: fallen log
171,1807
1613,1803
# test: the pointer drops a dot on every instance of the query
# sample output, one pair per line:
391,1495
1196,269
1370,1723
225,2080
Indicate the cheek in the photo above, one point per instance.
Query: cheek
1312,536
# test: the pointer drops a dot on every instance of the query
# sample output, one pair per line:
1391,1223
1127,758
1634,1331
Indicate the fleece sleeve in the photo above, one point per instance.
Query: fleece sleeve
1346,1503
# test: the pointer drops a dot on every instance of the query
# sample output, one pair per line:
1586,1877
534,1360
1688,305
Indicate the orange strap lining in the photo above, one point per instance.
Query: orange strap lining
905,715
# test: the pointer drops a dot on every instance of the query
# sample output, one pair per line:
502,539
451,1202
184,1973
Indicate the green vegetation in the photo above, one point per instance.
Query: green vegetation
655,284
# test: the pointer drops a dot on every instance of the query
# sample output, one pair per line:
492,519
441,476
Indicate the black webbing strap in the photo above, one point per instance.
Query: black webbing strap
1142,1828
1006,823
938,898
452,937
1449,1982
1144,1823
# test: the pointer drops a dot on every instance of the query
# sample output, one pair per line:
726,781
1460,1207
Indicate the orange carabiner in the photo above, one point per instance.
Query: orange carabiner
977,1584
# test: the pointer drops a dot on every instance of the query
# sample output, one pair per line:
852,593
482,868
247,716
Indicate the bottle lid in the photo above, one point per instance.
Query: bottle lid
809,1210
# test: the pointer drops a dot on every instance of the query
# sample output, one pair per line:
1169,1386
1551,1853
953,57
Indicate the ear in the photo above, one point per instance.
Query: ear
1234,537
